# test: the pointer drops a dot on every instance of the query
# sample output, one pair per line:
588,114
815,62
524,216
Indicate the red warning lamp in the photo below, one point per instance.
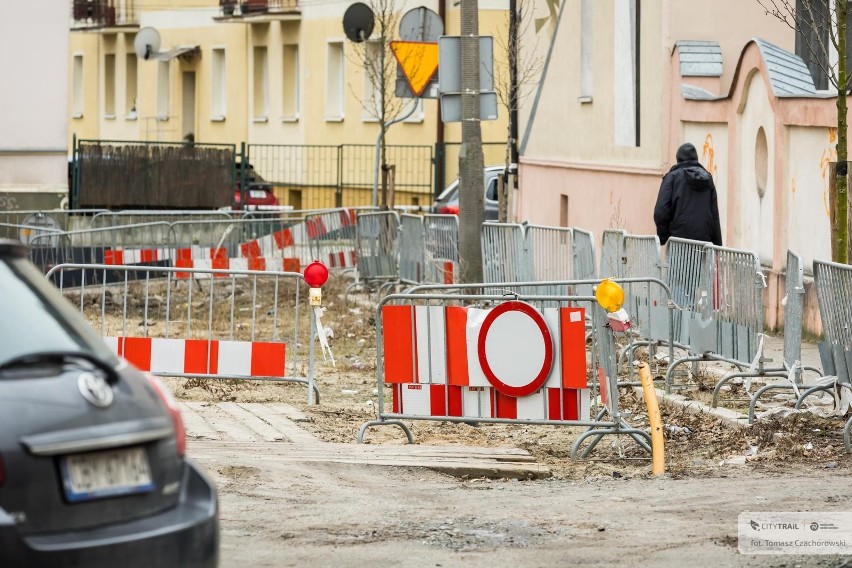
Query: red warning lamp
316,274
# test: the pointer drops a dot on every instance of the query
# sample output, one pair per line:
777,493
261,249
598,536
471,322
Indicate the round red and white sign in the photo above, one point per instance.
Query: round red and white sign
515,349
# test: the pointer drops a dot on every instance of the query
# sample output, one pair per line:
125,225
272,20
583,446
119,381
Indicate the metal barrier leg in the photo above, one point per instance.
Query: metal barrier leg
728,377
753,404
694,359
846,441
399,423
810,391
641,437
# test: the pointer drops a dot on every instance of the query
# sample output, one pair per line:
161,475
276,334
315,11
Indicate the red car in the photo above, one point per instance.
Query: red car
259,196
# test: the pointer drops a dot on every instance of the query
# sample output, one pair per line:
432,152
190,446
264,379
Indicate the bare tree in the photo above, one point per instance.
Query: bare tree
376,59
821,27
517,69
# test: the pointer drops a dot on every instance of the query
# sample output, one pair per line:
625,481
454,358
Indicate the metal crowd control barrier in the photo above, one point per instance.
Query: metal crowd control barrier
612,251
584,258
25,233
234,327
138,216
833,283
61,219
146,243
411,249
728,321
493,359
503,256
376,249
551,252
791,368
440,249
331,236
684,260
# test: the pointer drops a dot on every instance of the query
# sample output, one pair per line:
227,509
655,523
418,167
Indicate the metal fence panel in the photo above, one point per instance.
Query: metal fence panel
584,258
612,252
504,258
441,249
795,292
411,249
642,260
331,235
834,294
377,245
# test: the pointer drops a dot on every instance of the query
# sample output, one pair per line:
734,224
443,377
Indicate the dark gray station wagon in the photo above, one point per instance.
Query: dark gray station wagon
92,465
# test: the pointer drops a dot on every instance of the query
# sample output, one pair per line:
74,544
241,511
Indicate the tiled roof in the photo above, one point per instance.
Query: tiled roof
788,74
699,58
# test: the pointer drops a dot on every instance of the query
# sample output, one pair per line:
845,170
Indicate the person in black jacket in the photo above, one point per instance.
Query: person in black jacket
686,205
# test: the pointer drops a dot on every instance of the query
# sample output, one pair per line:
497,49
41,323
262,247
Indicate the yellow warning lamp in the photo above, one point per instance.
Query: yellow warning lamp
609,295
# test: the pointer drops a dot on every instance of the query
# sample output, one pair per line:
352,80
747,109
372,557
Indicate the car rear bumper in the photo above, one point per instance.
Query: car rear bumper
186,536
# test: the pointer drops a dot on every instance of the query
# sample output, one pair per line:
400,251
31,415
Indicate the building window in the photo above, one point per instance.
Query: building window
130,80
586,41
218,85
290,87
372,101
77,87
109,85
334,83
626,81
163,90
260,84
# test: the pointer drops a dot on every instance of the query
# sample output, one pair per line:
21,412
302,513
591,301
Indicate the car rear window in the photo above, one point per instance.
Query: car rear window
35,318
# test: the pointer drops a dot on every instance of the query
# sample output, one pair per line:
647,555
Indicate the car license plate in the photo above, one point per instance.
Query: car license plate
106,474
257,194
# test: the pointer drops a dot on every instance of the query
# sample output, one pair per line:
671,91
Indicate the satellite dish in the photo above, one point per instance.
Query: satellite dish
147,43
358,22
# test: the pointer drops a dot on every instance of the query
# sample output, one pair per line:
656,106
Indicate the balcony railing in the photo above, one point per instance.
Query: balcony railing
102,13
240,8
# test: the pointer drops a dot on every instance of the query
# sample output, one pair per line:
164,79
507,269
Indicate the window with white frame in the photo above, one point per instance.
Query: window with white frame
130,85
77,87
372,98
218,85
163,90
290,86
260,89
586,41
109,85
335,81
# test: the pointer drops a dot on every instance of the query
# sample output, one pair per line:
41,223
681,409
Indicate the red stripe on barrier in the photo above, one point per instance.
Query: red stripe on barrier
220,263
457,373
183,263
570,407
353,214
396,391
341,257
197,354
573,343
183,254
354,258
250,249
448,273
218,254
505,406
398,344
437,401
256,263
137,350
267,359
148,255
315,228
114,257
291,265
283,238
454,396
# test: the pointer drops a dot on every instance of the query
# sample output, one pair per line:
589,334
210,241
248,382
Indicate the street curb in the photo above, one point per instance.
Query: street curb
729,418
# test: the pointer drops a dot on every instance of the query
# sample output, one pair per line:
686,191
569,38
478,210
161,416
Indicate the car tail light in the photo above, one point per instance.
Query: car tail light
448,209
171,405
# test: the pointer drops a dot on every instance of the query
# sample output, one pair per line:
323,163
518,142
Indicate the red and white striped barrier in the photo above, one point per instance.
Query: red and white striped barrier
202,357
120,256
205,257
511,362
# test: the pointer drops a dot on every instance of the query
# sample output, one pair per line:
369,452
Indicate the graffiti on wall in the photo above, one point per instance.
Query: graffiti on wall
708,155
829,155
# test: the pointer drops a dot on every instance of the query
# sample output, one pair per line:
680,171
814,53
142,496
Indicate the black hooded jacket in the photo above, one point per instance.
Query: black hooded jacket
687,206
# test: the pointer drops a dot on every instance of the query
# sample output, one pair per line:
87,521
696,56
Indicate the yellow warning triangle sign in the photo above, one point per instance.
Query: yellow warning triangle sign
419,62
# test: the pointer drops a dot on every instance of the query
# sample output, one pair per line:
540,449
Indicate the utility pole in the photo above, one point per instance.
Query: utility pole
471,161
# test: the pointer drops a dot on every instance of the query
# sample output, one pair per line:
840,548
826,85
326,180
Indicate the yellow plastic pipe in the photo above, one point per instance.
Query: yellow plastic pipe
658,452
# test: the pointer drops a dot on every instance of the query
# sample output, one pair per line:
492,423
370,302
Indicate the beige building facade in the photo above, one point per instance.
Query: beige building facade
265,73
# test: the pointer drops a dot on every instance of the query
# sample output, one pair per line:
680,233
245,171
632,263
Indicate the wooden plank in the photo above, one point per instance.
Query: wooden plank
195,425
281,421
265,430
223,423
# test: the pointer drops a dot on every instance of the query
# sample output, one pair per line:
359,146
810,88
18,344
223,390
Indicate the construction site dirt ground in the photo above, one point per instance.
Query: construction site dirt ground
607,509
602,511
